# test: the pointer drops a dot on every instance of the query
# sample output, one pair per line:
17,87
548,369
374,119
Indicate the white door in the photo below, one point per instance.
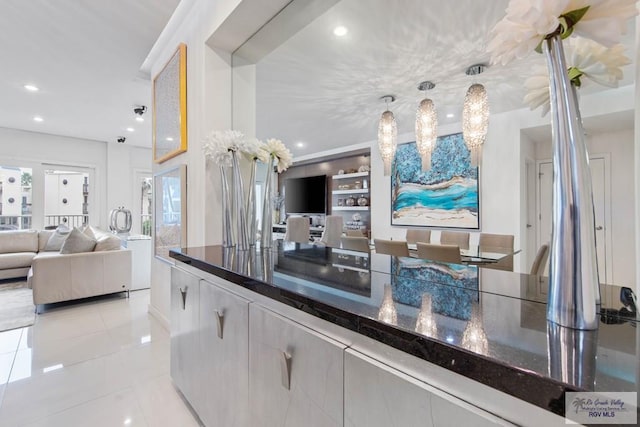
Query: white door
531,224
600,195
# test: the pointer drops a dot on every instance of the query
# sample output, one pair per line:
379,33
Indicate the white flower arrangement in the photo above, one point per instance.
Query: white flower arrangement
585,58
218,146
254,149
527,23
275,148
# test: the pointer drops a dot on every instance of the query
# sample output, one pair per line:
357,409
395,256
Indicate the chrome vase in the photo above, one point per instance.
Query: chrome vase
242,243
266,236
227,233
252,213
574,293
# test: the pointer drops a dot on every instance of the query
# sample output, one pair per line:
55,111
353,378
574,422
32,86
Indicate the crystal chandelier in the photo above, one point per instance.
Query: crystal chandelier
426,322
387,135
426,127
388,312
474,337
475,116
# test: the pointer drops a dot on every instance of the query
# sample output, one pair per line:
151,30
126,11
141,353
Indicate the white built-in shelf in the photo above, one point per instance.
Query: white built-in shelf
353,191
350,208
350,175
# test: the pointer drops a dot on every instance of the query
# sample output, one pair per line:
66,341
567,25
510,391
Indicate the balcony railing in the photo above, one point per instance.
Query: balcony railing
53,221
15,222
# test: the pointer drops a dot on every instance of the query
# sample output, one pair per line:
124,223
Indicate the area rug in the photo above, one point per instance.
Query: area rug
16,305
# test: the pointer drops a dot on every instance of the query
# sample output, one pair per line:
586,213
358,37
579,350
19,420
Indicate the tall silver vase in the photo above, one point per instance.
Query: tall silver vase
227,233
238,204
266,236
252,214
574,294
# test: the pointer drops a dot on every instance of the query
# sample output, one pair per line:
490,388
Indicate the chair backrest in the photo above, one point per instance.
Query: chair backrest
297,230
488,240
355,243
391,247
354,233
415,236
332,231
540,261
444,253
458,238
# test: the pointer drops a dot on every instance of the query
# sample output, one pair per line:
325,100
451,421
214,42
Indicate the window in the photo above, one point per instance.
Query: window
15,198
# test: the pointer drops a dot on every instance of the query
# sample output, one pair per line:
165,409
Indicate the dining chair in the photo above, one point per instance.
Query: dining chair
415,236
332,231
490,241
391,247
540,261
355,243
444,253
354,233
297,230
460,239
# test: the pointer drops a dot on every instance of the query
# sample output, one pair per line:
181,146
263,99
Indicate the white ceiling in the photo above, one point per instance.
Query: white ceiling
324,91
85,56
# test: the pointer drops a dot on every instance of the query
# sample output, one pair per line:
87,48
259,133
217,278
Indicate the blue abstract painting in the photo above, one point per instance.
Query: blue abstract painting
454,288
446,196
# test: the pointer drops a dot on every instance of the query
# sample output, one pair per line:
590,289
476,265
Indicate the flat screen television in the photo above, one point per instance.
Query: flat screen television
306,195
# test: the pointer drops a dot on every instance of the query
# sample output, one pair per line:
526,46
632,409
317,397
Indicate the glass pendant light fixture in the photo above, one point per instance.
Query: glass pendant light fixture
387,135
475,116
388,312
426,322
426,126
474,338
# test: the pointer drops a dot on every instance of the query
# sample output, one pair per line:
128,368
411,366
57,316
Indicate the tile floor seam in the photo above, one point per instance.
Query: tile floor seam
6,384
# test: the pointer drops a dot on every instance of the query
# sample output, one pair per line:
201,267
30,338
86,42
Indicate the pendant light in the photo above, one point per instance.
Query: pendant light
475,116
426,322
387,135
426,126
474,338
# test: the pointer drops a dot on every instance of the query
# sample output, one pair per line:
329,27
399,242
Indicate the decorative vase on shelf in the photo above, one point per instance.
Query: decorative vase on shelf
574,293
266,237
242,243
227,234
252,208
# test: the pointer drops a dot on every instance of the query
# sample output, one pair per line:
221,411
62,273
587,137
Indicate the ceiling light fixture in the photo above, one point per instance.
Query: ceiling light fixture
426,126
169,138
340,31
450,115
387,135
130,129
300,144
31,88
38,119
475,116
139,119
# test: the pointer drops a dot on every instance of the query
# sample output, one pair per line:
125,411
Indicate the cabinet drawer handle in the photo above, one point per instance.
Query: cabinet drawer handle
220,319
285,370
183,292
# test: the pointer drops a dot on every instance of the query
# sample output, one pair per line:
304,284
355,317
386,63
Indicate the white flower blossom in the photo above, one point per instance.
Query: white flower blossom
253,148
591,60
218,146
278,150
528,22
605,20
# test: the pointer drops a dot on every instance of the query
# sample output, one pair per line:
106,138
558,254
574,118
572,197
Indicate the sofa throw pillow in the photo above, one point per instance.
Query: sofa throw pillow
77,242
57,239
107,242
91,232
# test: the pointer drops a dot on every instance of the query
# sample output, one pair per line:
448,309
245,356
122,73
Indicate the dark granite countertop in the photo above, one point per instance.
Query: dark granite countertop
492,323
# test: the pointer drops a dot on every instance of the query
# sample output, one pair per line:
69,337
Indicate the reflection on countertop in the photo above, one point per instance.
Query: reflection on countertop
492,322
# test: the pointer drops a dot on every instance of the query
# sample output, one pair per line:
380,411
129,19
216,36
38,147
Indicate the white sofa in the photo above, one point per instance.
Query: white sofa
56,277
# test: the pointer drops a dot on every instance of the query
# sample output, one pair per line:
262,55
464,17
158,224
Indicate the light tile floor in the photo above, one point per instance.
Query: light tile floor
98,363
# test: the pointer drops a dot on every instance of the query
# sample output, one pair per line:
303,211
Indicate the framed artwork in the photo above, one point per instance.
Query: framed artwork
446,196
170,211
170,108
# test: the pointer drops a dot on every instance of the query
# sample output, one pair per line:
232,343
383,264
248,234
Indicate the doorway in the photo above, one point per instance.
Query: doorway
600,177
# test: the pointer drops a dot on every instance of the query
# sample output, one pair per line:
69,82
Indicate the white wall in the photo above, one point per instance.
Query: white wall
110,171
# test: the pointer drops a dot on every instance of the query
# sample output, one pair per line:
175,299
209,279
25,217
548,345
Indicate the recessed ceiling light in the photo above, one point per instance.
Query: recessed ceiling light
169,139
139,119
31,88
450,115
37,119
300,144
340,31
130,129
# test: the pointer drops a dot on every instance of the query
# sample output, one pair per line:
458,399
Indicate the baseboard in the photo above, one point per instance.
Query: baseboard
159,316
